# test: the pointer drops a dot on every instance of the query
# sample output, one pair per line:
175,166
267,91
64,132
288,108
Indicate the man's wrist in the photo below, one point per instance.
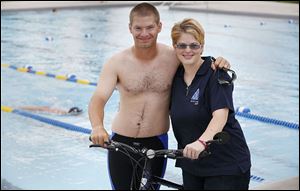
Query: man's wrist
97,127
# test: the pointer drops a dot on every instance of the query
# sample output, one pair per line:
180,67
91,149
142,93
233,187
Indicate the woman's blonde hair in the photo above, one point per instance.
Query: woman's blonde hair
190,26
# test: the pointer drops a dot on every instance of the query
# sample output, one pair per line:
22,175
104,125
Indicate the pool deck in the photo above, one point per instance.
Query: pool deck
249,8
287,184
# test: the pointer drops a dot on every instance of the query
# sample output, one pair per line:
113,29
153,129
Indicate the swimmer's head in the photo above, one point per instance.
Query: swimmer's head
71,76
74,111
28,67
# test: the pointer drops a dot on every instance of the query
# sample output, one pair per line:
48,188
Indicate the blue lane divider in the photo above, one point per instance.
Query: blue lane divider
59,77
71,127
54,122
267,120
47,120
256,178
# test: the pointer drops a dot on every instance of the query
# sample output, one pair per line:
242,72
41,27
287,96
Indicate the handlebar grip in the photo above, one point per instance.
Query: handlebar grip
203,154
170,153
177,154
94,146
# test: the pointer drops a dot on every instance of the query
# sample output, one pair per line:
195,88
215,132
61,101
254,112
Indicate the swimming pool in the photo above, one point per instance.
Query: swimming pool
79,41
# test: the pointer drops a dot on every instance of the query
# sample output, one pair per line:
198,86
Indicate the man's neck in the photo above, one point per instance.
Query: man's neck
145,53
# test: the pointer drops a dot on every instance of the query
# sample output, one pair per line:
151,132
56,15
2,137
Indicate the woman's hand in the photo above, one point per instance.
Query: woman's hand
193,150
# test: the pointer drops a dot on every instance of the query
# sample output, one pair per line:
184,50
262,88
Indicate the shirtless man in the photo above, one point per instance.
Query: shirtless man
143,75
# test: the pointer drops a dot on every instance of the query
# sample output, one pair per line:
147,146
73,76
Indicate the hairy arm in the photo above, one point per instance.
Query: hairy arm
106,85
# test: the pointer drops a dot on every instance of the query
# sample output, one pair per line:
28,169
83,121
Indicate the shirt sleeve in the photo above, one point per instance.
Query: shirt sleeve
220,95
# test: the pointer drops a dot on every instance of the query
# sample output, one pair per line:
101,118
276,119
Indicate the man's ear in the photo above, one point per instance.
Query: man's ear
129,27
159,26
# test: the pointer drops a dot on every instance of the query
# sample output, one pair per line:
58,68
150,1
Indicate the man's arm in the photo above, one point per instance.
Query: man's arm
220,62
106,85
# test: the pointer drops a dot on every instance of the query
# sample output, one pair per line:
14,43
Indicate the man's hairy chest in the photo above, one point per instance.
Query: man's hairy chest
156,81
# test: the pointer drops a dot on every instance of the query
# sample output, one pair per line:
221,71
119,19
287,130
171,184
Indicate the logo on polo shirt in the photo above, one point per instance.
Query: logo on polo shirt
195,97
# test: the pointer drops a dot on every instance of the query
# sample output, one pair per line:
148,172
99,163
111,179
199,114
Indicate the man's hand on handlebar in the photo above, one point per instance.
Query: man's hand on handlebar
99,136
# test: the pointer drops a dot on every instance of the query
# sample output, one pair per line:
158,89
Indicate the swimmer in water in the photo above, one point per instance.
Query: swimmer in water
46,109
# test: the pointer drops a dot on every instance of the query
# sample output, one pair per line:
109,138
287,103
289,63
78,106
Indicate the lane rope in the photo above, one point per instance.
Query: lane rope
68,78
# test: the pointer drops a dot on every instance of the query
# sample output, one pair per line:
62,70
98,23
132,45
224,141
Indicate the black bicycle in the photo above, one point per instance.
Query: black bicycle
148,180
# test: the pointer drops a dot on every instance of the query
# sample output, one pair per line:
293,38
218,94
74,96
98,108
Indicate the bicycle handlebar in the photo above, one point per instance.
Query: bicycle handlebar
219,138
149,153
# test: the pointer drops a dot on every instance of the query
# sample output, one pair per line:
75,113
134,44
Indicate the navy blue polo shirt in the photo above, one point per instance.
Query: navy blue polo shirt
191,111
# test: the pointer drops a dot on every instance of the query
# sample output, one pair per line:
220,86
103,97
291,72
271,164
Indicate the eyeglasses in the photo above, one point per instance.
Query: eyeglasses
231,79
193,46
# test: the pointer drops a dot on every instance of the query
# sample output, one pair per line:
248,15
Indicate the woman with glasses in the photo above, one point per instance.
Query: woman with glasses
201,106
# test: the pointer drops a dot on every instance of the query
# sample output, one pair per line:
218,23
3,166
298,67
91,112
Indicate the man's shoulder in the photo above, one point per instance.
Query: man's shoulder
168,53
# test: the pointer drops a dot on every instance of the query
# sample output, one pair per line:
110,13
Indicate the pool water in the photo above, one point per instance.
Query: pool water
36,155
